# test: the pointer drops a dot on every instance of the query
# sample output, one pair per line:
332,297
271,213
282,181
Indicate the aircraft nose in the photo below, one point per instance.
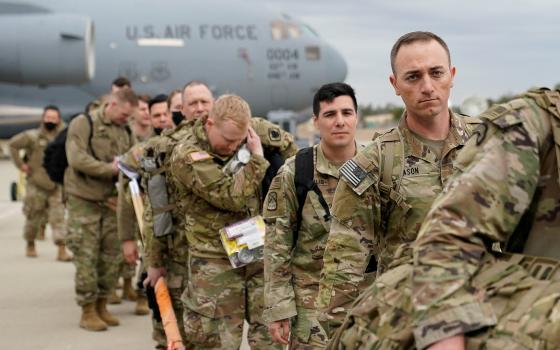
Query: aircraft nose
336,65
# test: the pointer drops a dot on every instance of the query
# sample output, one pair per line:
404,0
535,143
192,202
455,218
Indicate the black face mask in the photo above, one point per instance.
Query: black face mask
158,131
177,117
50,126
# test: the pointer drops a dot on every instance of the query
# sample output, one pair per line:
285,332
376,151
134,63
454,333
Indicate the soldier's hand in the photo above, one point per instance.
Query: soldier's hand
115,165
130,251
453,343
26,169
254,143
154,273
280,331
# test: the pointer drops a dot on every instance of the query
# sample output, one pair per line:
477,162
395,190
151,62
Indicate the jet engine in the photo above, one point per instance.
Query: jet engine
43,49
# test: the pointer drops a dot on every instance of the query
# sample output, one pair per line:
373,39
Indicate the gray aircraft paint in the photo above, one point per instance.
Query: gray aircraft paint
162,45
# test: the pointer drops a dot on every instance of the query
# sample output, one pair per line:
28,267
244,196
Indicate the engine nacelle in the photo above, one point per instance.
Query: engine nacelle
46,49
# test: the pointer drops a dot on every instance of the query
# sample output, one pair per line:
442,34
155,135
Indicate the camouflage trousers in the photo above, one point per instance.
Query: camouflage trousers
527,311
217,301
306,332
126,271
40,206
92,238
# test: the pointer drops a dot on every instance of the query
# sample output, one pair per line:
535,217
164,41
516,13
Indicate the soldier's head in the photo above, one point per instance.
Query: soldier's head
197,100
227,125
142,115
51,117
335,114
422,74
175,100
120,83
159,113
121,105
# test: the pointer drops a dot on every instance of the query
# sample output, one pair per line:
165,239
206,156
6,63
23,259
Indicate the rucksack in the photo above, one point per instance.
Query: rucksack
304,182
55,161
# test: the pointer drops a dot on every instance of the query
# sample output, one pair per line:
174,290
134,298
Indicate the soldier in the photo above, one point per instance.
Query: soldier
43,196
293,261
141,126
166,254
218,298
120,83
462,292
386,190
93,143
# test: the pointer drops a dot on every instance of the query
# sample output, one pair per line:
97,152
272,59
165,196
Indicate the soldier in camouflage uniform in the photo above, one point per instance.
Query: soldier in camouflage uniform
462,292
292,263
141,126
218,298
43,196
89,183
386,190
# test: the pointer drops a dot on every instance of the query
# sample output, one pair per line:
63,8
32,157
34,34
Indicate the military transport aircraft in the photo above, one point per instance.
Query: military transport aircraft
67,52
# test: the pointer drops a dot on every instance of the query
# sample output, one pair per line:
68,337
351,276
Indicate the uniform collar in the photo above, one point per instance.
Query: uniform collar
324,166
415,147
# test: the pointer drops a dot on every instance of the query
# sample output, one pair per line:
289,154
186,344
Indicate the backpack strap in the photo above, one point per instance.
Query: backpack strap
303,181
390,144
90,122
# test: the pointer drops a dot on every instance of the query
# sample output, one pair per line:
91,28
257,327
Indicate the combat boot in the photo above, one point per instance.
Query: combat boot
30,251
128,292
62,254
114,298
142,306
101,308
90,319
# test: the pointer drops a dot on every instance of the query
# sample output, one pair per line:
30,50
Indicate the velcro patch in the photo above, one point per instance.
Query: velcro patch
274,134
200,155
353,172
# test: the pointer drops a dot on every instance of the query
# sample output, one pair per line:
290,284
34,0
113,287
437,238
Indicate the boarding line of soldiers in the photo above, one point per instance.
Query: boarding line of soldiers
440,234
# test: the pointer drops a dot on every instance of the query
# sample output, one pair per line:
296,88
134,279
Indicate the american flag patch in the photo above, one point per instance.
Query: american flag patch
200,155
352,172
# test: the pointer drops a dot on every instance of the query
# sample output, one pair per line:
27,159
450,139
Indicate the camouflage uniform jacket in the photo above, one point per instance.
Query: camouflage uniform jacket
212,198
87,176
34,142
506,187
364,227
292,268
175,246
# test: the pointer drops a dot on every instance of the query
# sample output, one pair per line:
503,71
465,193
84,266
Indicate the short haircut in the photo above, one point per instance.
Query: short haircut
195,83
121,82
171,95
126,96
144,98
412,37
231,107
157,99
328,92
51,108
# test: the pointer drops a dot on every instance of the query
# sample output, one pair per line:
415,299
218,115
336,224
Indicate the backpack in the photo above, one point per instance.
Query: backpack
55,161
304,182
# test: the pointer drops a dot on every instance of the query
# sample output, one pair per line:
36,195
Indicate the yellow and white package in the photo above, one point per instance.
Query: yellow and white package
244,241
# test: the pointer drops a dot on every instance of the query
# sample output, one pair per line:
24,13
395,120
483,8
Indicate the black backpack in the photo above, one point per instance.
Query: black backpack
303,181
55,161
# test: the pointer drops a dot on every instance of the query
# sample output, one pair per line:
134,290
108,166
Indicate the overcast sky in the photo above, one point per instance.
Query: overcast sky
497,46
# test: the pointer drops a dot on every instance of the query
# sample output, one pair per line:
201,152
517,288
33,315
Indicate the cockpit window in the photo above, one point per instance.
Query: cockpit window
282,30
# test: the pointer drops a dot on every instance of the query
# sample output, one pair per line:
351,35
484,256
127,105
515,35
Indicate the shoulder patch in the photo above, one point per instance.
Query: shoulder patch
272,204
199,155
274,134
353,172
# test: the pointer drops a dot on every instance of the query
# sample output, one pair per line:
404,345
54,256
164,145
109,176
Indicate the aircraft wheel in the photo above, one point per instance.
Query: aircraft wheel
14,191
